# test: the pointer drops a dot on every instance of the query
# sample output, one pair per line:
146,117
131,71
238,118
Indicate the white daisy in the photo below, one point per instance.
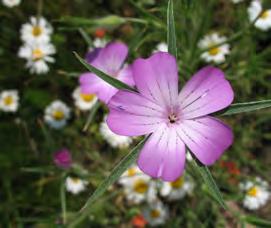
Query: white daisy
177,189
38,30
37,56
156,213
127,177
141,188
11,3
83,101
215,54
116,141
57,114
9,101
161,47
264,21
256,193
75,185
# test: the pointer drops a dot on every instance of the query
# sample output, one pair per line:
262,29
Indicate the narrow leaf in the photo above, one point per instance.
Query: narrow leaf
171,35
257,221
209,181
109,79
91,115
123,165
247,107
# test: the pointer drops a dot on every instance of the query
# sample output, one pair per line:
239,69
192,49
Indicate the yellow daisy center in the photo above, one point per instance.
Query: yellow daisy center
8,100
37,54
36,31
75,180
178,183
155,213
264,14
140,186
253,191
214,51
58,115
131,172
87,97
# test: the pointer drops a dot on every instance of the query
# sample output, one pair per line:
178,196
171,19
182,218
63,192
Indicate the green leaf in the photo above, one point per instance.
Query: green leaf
91,115
109,79
122,166
247,107
171,35
206,175
257,221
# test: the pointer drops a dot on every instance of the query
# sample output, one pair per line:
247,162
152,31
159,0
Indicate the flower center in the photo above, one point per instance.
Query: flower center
155,213
58,115
37,54
140,186
36,31
75,180
214,51
8,100
131,172
173,118
178,183
253,191
264,15
87,97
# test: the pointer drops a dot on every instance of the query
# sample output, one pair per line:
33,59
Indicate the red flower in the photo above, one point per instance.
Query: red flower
100,33
230,167
139,221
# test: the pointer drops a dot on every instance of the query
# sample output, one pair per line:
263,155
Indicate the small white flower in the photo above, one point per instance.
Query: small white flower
177,189
37,56
128,176
264,21
11,3
156,213
83,101
256,193
75,185
116,141
99,42
161,47
216,54
57,114
237,1
140,188
36,31
9,101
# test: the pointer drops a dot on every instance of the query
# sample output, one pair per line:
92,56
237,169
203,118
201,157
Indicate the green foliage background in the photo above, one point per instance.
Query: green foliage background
30,184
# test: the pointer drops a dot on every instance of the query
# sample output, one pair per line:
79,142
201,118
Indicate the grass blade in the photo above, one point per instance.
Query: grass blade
246,107
91,115
110,80
114,175
171,35
206,175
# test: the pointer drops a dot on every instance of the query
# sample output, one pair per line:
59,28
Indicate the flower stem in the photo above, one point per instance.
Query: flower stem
63,198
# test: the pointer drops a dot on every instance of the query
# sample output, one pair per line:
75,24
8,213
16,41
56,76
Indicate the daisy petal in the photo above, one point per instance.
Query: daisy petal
132,114
163,155
157,78
206,92
206,137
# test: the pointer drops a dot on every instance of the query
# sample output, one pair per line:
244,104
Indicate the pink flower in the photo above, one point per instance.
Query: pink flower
110,60
63,158
175,120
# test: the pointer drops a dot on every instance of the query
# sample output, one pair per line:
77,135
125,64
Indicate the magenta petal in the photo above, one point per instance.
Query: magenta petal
126,76
90,83
206,92
111,58
132,114
163,155
157,78
206,137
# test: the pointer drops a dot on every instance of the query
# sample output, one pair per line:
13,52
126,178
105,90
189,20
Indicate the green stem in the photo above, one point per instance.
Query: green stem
63,198
92,113
85,36
39,10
